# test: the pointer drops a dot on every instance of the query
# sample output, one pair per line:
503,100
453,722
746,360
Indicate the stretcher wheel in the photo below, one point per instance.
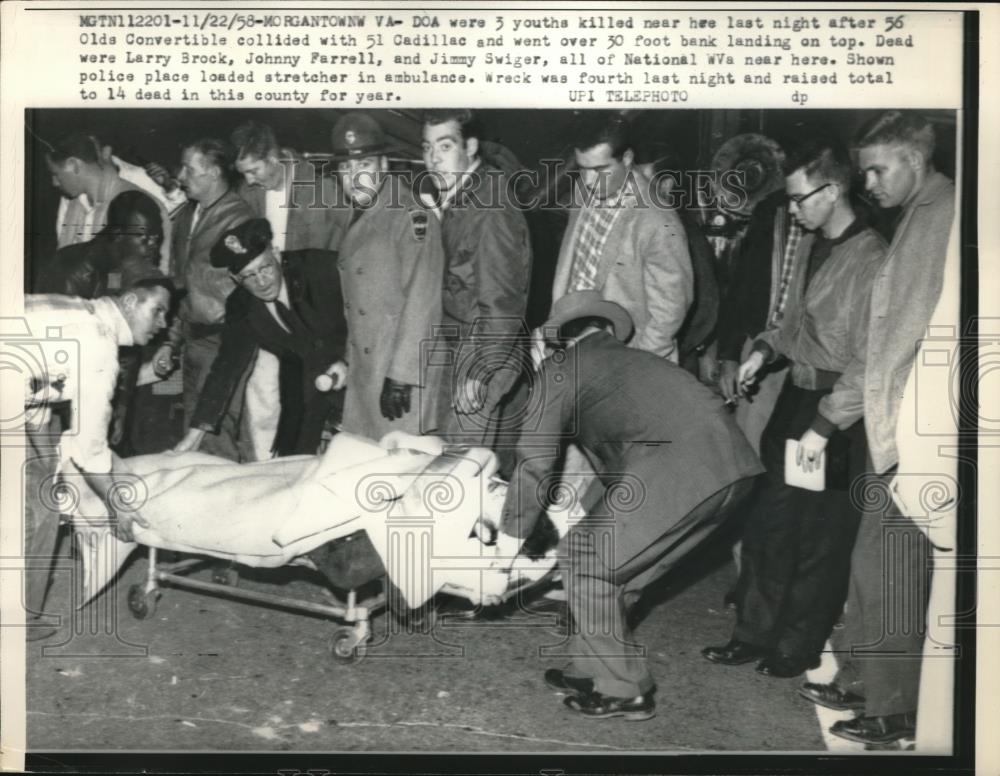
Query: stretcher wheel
225,575
140,603
345,648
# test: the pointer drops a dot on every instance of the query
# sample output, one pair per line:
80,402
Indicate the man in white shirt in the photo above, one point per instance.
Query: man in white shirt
78,363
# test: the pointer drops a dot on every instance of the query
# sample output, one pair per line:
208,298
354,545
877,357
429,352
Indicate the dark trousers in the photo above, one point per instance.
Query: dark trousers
797,543
605,566
886,615
199,355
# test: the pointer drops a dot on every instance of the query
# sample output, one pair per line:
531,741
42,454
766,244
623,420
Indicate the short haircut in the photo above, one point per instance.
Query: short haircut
253,139
217,152
594,129
145,287
77,145
821,157
898,127
125,205
468,123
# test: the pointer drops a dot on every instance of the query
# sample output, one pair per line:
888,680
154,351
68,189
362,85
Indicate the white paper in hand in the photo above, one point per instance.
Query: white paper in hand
796,477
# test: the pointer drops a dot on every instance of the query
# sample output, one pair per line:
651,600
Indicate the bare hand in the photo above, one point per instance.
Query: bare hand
729,380
161,177
809,453
748,372
163,360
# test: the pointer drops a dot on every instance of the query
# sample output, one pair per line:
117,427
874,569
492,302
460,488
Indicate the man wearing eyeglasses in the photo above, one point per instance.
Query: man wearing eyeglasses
797,542
291,307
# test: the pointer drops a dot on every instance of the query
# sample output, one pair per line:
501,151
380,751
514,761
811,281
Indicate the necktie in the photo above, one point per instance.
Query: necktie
290,319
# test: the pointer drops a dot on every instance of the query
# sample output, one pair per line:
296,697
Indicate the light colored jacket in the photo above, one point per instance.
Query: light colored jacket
645,267
77,362
825,328
904,295
391,264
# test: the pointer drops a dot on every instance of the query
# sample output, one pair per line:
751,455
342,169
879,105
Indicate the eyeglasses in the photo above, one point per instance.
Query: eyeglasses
799,199
263,275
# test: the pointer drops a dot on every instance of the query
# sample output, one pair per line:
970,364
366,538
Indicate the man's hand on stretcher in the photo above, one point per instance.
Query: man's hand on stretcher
108,487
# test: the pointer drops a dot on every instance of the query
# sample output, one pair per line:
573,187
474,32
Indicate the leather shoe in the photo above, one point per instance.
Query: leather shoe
782,666
877,730
735,653
596,706
557,680
832,697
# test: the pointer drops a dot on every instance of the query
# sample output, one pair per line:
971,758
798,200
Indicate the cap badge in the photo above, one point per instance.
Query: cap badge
233,244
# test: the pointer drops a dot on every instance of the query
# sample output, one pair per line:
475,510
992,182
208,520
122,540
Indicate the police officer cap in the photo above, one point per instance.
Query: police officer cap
241,245
357,135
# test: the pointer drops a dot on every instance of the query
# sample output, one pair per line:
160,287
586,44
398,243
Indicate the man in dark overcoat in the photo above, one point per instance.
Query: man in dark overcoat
292,308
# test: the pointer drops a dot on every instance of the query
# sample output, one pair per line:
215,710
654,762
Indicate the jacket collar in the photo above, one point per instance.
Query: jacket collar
935,185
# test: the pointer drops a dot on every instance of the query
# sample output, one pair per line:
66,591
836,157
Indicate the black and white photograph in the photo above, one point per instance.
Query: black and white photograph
456,435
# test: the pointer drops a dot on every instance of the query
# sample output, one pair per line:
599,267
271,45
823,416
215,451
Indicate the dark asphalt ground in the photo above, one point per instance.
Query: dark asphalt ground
206,673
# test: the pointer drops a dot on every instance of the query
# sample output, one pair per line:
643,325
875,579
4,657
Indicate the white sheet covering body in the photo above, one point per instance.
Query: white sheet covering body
418,509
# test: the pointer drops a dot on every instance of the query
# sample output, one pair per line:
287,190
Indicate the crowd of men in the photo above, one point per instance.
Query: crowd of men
298,305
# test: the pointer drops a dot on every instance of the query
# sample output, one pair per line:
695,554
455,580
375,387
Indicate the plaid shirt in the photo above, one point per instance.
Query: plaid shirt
591,234
787,262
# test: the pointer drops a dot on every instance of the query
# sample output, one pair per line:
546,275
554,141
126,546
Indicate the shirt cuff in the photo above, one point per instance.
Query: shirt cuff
823,426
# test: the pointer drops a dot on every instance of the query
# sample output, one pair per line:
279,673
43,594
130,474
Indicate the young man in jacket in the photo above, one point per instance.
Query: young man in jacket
797,542
886,602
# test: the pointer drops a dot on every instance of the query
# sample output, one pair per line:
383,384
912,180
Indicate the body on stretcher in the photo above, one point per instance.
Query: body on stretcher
405,508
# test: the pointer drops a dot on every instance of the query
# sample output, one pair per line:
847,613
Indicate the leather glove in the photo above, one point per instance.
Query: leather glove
395,399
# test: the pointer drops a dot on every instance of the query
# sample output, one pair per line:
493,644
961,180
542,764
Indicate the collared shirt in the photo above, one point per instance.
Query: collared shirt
76,352
273,308
591,235
276,209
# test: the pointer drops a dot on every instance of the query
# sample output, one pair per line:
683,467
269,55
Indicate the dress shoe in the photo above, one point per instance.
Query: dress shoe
832,697
557,680
782,666
877,730
596,706
735,653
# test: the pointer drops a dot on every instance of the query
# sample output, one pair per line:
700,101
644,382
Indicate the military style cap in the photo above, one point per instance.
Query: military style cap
242,244
356,135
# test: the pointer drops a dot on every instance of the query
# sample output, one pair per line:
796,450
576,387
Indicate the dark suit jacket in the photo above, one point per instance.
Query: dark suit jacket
317,342
660,441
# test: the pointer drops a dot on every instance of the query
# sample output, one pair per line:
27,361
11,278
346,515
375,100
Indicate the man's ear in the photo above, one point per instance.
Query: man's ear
383,163
472,147
628,157
915,159
129,300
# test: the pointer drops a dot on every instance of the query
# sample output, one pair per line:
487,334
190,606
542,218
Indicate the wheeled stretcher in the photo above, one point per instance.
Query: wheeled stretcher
406,509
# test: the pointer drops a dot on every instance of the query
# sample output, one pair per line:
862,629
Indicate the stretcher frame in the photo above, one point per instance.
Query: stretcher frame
347,643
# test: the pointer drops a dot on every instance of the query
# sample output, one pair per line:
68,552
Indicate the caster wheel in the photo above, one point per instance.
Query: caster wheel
344,647
140,603
225,575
